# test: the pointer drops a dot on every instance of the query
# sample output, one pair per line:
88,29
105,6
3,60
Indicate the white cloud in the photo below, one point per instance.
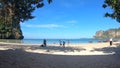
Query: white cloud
72,21
44,26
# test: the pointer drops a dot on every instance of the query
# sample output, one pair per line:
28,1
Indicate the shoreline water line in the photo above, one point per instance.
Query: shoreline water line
57,41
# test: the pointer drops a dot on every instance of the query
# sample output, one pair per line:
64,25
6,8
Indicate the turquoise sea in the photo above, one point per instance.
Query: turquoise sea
56,41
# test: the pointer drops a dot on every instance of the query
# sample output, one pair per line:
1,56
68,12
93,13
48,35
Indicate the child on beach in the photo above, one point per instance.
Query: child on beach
60,42
68,42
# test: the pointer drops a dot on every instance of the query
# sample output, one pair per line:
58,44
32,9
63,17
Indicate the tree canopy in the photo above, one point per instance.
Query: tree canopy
115,6
12,12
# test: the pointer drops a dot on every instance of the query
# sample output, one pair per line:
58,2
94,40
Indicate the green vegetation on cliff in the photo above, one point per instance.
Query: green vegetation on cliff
114,33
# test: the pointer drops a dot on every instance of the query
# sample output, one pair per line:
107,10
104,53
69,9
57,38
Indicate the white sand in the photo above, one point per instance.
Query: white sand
91,55
75,49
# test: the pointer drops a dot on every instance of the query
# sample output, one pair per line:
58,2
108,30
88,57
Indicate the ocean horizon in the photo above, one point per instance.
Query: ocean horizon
56,41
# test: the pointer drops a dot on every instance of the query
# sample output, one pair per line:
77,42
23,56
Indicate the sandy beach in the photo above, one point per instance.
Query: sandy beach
89,55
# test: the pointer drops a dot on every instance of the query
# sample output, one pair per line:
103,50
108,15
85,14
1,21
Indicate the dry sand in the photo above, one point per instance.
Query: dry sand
91,55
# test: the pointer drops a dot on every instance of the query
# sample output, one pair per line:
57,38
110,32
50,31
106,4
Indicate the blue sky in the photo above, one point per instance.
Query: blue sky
68,19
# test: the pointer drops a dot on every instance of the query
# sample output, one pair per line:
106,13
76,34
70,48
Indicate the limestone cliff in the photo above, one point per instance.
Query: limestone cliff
114,33
10,31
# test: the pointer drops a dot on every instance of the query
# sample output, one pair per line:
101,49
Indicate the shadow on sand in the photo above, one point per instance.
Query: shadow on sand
58,48
18,58
109,49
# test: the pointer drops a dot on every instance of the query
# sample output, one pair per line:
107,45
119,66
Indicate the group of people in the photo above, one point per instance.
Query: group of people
62,43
